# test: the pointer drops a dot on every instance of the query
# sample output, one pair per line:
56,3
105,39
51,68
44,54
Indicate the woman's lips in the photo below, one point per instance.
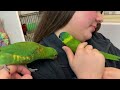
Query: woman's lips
93,28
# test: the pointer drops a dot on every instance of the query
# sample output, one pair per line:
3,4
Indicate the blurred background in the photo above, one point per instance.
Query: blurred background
21,25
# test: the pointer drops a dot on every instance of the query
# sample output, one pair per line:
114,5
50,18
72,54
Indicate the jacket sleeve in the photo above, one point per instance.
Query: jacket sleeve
47,69
114,50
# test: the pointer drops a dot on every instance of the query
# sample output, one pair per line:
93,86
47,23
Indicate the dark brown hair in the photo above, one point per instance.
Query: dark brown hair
52,21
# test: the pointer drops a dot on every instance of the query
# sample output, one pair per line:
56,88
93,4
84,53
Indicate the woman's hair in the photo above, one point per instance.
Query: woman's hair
98,27
52,21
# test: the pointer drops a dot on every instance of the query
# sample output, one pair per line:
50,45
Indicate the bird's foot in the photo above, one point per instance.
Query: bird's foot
5,67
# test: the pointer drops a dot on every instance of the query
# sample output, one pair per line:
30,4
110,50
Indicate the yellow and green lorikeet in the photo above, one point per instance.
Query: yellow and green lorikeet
73,43
25,52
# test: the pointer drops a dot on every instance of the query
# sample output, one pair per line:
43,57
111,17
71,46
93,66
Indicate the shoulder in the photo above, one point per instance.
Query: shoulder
104,44
99,36
99,42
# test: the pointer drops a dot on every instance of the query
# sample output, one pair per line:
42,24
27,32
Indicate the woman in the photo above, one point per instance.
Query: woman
87,61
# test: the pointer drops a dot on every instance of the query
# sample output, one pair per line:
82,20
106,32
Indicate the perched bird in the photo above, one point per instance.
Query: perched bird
73,43
24,53
24,28
4,39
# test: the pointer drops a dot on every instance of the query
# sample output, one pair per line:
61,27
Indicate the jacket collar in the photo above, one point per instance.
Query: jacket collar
54,42
100,42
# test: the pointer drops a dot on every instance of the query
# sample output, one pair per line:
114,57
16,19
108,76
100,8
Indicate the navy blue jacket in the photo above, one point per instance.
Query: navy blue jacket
59,68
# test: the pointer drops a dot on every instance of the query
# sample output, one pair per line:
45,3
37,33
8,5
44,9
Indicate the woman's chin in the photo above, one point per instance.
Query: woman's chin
88,37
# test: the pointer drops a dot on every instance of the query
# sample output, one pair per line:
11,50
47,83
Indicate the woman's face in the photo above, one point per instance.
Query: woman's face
83,24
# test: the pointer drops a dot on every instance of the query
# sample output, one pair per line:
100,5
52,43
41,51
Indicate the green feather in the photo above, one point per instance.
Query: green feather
73,43
25,52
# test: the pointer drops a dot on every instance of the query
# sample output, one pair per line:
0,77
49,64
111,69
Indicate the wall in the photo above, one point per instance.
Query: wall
26,12
12,25
112,32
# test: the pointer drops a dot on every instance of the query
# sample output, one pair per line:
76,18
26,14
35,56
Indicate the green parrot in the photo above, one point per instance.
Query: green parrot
23,53
73,43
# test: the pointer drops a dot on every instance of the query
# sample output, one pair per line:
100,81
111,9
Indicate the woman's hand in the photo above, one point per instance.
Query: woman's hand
111,73
16,72
87,63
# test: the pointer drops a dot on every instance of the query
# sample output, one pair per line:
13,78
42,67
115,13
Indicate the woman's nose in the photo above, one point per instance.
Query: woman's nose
99,17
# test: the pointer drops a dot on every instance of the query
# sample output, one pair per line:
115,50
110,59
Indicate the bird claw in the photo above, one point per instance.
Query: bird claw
5,67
